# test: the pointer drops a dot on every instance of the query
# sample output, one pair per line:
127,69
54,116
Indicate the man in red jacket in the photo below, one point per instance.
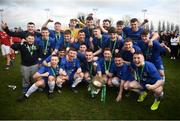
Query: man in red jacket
5,42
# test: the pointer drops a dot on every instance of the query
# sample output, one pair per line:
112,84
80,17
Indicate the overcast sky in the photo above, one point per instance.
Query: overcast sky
19,12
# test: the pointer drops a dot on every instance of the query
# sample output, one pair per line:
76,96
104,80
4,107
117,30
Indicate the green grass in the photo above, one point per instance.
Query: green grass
80,106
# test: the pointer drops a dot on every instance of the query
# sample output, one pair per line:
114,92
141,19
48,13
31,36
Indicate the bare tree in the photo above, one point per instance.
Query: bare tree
163,26
152,26
172,26
159,27
126,19
168,26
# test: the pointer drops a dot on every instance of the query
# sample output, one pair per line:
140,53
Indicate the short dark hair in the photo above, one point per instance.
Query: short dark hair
72,49
119,22
29,34
31,23
107,20
145,32
107,49
112,30
62,48
97,28
57,23
82,43
81,31
138,53
67,32
89,50
117,55
134,20
44,28
89,18
128,40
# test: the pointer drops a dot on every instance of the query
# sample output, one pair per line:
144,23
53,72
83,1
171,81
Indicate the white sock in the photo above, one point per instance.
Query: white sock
32,89
51,86
115,82
163,78
59,85
76,82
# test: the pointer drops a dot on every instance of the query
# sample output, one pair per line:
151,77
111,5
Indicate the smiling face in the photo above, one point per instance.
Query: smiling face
112,36
145,38
134,26
118,61
107,55
82,48
89,23
97,32
57,27
67,37
119,28
138,59
71,55
89,56
30,39
54,60
45,34
81,36
31,28
128,45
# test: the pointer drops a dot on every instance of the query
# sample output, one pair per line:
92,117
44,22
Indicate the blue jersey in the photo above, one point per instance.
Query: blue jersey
134,35
86,41
57,36
41,70
146,74
105,65
152,54
113,45
123,72
70,66
54,71
48,59
88,32
46,45
127,55
100,43
65,44
89,67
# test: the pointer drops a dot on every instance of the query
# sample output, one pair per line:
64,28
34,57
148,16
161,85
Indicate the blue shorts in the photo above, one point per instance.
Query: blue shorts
143,84
159,66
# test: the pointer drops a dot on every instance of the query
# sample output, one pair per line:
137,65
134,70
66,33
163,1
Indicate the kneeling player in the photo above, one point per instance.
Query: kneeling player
70,70
120,75
45,75
147,78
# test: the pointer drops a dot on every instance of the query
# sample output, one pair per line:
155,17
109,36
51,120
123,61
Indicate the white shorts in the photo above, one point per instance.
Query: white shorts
5,49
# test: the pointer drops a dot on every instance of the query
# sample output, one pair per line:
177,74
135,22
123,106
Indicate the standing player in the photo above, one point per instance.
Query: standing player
153,53
134,32
46,43
30,54
22,34
128,50
57,33
5,42
99,42
114,43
